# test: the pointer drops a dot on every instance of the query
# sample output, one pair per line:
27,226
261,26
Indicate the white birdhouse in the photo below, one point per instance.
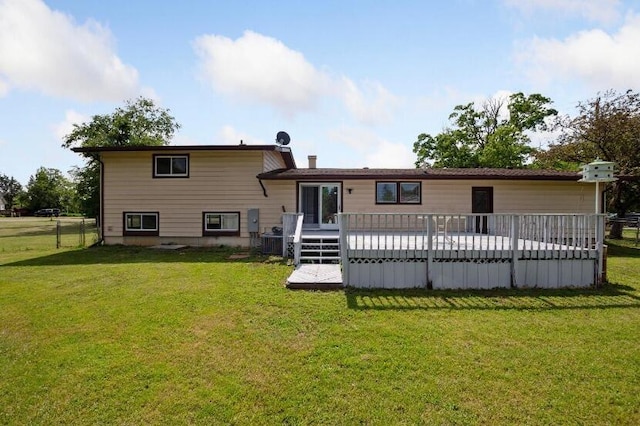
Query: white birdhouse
598,171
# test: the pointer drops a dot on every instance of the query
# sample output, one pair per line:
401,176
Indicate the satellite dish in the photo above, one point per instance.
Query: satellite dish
282,138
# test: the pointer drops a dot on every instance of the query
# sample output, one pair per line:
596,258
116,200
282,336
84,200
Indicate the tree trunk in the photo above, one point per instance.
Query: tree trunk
615,233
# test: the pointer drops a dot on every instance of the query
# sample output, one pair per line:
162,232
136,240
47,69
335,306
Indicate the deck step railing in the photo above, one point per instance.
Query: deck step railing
291,226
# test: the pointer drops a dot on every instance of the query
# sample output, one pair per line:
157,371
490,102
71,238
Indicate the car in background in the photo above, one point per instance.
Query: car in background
47,213
633,219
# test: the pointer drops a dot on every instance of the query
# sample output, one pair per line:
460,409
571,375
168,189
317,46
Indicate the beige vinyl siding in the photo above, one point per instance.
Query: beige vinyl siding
218,181
272,160
281,196
454,196
542,197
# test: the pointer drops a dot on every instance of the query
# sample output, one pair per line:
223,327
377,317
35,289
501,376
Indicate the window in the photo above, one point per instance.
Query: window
409,192
398,193
386,193
221,224
141,224
170,166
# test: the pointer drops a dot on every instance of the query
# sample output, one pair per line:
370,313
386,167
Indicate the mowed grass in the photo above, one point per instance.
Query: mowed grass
39,233
139,336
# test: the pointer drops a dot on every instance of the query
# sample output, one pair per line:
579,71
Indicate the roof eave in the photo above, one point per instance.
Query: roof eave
178,148
284,175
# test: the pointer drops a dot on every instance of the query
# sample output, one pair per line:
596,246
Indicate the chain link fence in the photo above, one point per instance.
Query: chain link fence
26,233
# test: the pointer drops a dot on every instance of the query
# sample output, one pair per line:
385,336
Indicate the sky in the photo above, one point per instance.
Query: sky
353,82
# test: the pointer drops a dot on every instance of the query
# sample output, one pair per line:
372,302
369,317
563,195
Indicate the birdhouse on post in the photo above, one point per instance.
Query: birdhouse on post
598,171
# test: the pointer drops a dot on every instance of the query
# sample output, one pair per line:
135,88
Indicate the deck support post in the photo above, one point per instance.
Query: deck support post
599,248
515,230
429,219
343,224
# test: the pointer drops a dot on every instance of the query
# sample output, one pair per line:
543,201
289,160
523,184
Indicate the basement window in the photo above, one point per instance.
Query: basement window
141,224
219,224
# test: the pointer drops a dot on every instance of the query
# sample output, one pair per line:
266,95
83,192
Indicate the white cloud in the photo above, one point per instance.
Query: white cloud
45,50
391,155
65,127
371,104
604,11
256,67
4,88
261,69
230,136
602,60
373,150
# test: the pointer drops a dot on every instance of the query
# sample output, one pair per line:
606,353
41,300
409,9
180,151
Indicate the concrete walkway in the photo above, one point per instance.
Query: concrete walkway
316,276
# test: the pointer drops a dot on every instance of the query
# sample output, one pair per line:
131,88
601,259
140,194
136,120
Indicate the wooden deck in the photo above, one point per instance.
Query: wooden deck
448,251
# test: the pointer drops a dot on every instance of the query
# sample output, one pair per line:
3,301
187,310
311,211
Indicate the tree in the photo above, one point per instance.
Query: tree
10,189
48,188
138,123
606,127
487,137
87,186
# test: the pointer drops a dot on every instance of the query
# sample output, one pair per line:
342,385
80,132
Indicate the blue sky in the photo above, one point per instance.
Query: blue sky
353,82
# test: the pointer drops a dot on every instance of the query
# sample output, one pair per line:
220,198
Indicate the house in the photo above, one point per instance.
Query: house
434,228
3,203
230,194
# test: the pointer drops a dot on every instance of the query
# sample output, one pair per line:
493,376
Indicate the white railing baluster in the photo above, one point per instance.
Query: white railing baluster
402,238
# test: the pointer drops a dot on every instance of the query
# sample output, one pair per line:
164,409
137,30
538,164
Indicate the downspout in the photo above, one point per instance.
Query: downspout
264,190
101,236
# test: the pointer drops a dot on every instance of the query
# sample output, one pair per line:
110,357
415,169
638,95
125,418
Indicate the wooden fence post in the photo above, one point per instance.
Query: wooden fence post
58,234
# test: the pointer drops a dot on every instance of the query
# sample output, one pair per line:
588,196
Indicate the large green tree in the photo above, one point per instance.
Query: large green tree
10,189
139,122
49,188
495,135
605,127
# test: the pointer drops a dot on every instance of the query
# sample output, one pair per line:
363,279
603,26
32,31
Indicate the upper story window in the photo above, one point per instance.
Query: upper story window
171,166
398,192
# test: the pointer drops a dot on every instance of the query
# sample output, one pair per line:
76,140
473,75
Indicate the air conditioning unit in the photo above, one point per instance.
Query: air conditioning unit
272,244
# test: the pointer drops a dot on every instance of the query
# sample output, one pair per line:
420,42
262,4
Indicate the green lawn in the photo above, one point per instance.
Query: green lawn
39,233
137,336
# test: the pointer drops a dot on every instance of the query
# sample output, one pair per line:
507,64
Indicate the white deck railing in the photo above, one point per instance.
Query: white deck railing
368,238
291,234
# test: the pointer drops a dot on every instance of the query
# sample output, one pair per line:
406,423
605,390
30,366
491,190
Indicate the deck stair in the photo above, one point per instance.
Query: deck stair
316,277
320,247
